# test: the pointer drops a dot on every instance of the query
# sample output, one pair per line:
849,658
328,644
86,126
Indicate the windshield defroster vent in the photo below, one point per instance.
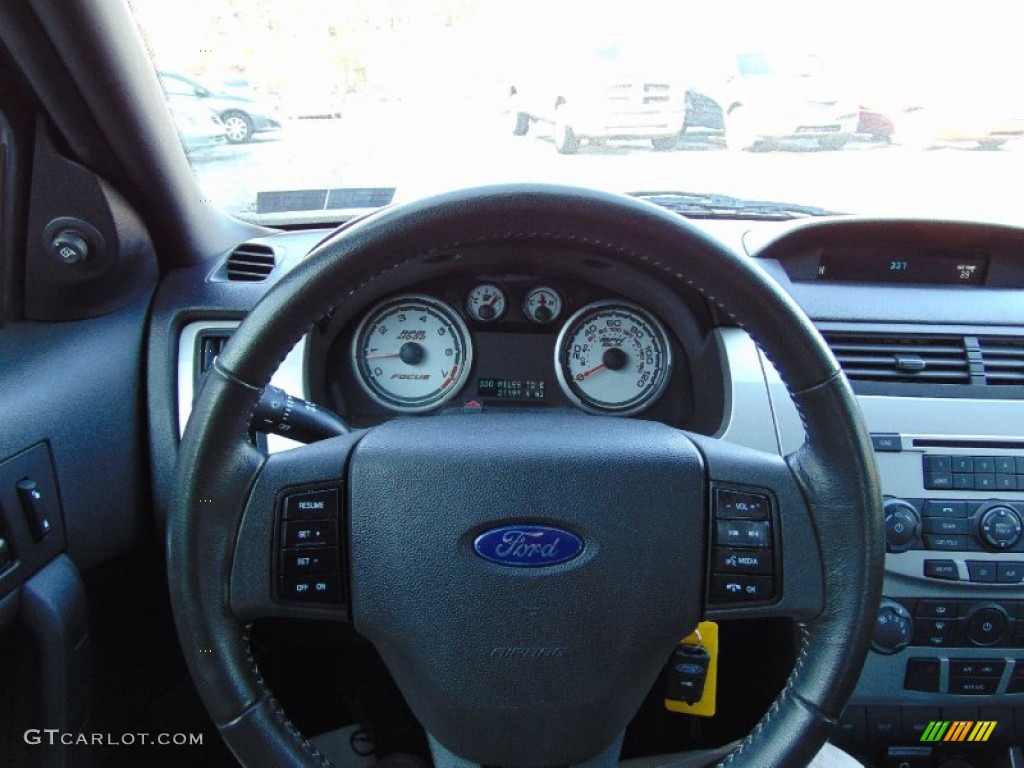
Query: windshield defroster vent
250,263
901,359
1004,360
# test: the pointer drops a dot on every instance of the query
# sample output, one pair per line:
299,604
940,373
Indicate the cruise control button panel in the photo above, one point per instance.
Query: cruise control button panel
744,550
309,568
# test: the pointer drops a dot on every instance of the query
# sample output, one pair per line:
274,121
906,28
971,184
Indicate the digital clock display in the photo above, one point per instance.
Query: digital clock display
926,266
512,389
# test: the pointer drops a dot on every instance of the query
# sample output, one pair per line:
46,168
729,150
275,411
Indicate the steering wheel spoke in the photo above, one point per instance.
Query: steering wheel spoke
764,556
289,557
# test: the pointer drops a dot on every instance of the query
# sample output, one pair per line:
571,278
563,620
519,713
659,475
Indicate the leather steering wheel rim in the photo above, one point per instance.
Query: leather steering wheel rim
834,468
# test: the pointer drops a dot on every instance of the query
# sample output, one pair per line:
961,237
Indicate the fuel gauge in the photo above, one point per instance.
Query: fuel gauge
486,303
542,304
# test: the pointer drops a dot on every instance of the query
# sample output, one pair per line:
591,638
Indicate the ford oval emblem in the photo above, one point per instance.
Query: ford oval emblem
528,546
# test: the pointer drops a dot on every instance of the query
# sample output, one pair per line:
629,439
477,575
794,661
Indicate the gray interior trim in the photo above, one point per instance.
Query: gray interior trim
289,375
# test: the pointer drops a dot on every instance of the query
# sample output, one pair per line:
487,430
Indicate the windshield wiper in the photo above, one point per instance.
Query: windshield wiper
696,205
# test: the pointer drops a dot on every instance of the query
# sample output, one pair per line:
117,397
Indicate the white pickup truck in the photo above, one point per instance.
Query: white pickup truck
598,101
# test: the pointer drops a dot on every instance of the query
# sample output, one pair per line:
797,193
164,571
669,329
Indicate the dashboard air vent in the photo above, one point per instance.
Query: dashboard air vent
901,359
1004,360
251,263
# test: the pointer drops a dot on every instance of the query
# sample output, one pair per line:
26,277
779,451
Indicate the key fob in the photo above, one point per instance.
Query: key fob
687,672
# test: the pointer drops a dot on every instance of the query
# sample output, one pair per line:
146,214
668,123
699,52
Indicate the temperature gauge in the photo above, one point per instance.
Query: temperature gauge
542,304
486,303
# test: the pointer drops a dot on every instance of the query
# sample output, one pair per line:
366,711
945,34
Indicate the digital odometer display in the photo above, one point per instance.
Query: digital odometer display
512,389
928,266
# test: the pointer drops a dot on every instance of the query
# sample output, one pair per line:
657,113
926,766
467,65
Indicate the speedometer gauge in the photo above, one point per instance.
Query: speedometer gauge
613,357
412,353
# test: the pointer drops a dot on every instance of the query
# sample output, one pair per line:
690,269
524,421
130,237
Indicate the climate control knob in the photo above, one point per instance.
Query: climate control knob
902,524
894,628
1000,527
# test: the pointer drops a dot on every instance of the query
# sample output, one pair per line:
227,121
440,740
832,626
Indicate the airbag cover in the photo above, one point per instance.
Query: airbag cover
520,666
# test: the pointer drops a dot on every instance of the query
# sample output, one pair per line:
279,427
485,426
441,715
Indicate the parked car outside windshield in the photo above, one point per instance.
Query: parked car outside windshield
759,97
242,115
752,100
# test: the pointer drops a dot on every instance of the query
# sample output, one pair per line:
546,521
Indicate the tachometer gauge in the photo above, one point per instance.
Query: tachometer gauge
612,357
412,353
542,304
485,303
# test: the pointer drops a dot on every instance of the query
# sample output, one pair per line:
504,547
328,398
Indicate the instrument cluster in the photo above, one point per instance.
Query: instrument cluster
512,340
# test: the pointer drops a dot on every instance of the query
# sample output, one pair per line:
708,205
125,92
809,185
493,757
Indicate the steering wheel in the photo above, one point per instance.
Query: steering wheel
534,666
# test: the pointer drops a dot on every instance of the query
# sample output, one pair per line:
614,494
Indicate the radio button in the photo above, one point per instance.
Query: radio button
938,481
933,464
902,523
1005,465
984,464
985,482
957,525
941,569
983,571
946,542
934,508
1010,573
963,464
1006,482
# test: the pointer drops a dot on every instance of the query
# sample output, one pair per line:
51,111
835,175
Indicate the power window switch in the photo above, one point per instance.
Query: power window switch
33,504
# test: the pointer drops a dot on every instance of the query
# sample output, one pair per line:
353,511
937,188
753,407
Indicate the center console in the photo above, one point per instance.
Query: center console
944,682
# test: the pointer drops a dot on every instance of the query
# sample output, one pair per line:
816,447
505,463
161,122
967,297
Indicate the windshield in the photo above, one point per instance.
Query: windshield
293,112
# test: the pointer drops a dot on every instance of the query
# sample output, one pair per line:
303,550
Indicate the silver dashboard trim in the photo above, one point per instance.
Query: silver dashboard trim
289,375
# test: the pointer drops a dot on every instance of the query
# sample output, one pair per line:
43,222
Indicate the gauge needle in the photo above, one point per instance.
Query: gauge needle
380,355
585,374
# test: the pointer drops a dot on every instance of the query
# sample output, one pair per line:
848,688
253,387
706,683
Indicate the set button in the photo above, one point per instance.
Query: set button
312,534
310,560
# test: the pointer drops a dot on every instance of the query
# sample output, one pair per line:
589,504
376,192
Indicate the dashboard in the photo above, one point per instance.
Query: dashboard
936,358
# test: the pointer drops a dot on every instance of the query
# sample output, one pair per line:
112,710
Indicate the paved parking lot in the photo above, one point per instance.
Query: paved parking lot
423,149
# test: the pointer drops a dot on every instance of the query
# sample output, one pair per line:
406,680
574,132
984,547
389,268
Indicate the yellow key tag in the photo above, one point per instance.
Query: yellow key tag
697,653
